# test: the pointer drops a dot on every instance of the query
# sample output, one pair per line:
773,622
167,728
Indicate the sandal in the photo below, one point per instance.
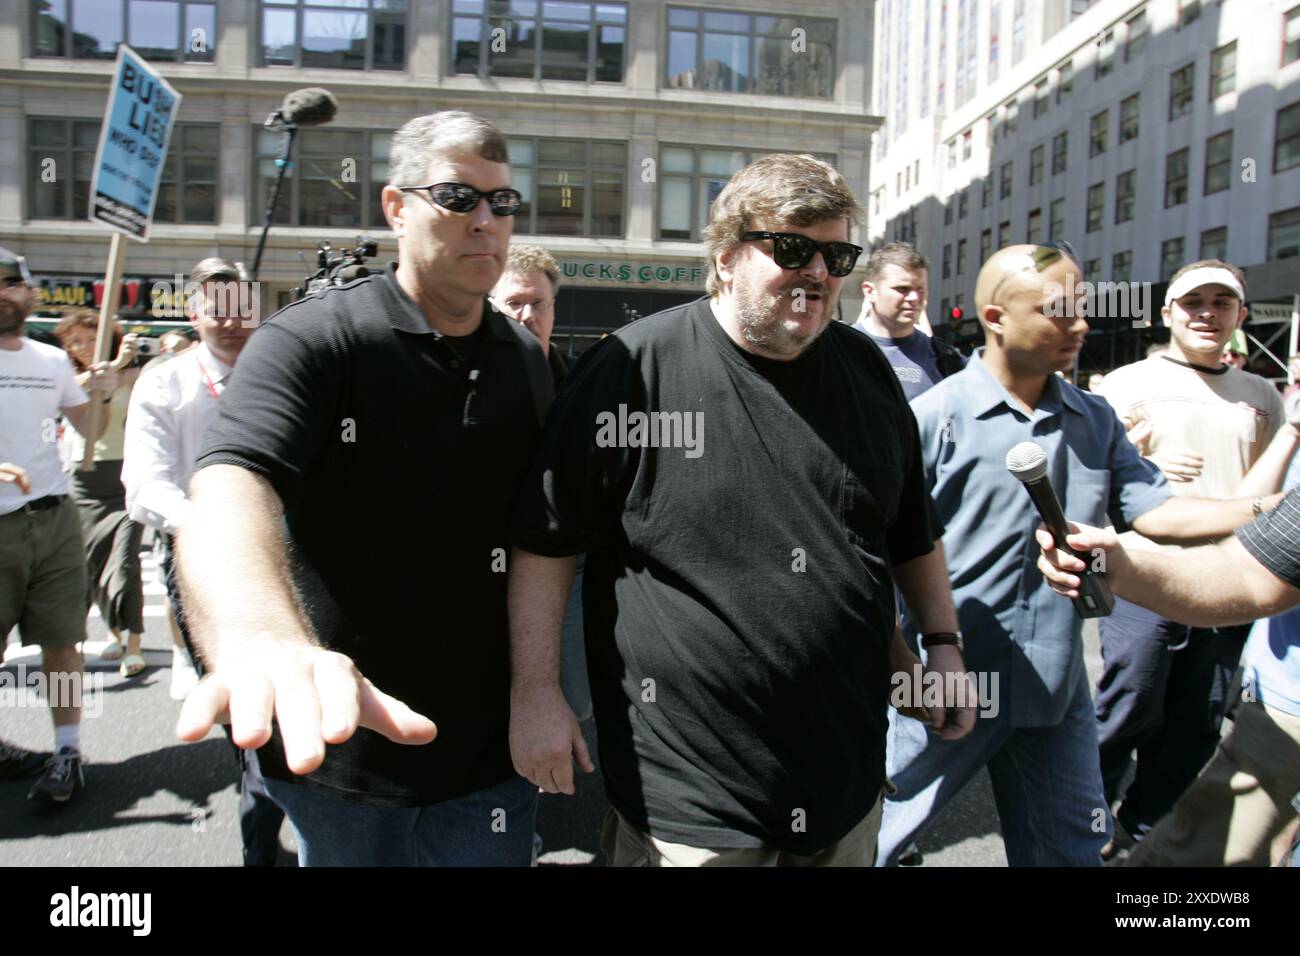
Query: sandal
132,665
112,651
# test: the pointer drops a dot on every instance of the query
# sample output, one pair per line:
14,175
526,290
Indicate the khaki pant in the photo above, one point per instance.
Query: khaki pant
1239,804
625,845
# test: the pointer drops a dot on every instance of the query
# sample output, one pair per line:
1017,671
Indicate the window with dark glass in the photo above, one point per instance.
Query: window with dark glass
961,257
1092,270
963,203
947,213
1004,187
165,30
1189,11
947,260
1056,219
1098,133
1121,266
1004,234
571,187
966,143
1130,117
734,52
1218,163
334,34
986,192
1036,165
1223,70
1060,152
1214,243
1064,80
1040,98
1136,29
986,239
1171,257
1176,172
1013,116
61,157
1284,234
335,180
1291,35
1286,139
1182,83
1096,207
1105,54
1034,226
1125,195
540,39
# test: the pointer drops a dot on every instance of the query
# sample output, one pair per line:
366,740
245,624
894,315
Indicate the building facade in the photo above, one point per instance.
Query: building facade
624,120
1147,133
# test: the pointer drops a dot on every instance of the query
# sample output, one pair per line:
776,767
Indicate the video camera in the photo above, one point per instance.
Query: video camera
335,270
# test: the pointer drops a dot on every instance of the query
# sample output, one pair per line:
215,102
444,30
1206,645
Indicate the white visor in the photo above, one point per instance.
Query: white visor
1205,276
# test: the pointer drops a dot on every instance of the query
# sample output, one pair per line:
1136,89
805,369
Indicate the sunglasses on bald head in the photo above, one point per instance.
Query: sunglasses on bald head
793,251
459,197
1042,257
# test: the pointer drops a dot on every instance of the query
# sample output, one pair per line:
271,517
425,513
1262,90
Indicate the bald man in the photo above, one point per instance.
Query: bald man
1036,732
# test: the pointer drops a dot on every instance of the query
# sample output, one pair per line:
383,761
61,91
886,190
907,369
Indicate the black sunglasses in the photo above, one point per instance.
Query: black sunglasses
793,251
461,198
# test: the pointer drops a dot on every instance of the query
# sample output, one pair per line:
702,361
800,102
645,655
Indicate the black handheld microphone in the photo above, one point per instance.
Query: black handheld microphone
1028,462
313,106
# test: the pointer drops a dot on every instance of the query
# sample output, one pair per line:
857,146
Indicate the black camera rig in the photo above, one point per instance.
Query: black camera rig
334,269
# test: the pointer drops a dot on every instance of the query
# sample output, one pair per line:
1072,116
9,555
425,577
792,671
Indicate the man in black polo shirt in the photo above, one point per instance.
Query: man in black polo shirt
391,423
745,476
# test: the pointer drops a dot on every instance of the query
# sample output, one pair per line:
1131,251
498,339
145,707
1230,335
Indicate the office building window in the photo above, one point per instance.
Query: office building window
1060,152
1036,165
986,192
1218,163
1121,266
986,239
1096,207
947,213
1176,170
1098,133
1004,187
571,187
1004,234
1130,117
1056,219
188,190
995,26
1171,257
1284,234
1018,32
966,145
1034,226
961,257
315,192
1189,11
1291,35
1125,195
1013,116
1105,55
907,178
1064,80
1214,243
1223,70
339,35
1136,29
164,30
898,184
60,158
1092,270
1040,98
743,53
1182,83
963,202
952,154
1286,139
539,39
947,260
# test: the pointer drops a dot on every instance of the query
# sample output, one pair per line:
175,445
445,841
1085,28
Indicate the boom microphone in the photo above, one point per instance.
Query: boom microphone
1028,462
312,106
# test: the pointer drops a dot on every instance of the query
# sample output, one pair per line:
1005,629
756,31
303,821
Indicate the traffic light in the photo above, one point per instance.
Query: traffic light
957,314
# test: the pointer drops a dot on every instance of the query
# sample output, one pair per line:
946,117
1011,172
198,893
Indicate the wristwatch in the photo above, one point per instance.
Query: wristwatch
940,638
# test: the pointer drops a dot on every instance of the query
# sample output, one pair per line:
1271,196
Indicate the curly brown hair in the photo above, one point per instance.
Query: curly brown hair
79,317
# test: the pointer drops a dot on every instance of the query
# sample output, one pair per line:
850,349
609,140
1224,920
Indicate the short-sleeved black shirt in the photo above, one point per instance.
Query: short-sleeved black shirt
1273,539
738,596
397,474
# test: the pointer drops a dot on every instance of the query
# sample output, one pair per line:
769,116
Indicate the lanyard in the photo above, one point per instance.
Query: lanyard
207,379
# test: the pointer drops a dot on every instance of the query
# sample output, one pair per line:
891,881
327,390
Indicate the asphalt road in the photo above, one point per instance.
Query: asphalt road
151,800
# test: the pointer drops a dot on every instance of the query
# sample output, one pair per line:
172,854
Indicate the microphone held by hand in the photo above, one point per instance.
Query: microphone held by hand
1028,462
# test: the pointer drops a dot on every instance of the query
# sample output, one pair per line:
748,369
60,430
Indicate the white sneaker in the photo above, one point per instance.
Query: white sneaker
184,676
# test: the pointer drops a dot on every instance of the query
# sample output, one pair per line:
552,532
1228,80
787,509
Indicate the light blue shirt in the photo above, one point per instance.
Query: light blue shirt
1271,660
1013,624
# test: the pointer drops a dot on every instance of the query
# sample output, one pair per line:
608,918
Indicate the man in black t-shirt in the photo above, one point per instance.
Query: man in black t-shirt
390,423
745,475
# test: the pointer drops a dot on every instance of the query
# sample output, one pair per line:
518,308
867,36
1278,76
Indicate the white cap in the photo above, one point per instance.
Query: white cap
1203,276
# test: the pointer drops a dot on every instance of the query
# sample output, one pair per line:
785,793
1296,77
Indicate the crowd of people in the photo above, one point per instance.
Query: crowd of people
558,539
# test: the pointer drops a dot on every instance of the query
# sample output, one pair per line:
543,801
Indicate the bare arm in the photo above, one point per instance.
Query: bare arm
1185,519
1266,475
544,734
262,654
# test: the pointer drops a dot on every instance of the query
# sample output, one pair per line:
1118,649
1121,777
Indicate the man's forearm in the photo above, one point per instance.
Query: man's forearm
537,592
925,587
234,568
1267,474
1181,520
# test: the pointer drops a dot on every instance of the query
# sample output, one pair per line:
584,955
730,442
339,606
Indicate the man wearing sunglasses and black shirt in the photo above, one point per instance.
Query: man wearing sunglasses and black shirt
744,474
383,428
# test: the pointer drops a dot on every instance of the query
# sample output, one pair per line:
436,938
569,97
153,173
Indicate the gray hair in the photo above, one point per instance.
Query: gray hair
416,144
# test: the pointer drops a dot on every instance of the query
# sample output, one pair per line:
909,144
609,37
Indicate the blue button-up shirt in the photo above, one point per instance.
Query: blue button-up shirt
1012,622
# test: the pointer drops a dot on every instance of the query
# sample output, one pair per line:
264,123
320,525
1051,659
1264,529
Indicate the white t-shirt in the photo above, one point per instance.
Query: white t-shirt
35,383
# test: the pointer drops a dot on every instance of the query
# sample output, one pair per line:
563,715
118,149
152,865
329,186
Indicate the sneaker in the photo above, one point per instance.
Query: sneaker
63,775
16,763
184,676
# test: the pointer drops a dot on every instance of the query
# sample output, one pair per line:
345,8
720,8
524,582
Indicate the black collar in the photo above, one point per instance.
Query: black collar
1221,370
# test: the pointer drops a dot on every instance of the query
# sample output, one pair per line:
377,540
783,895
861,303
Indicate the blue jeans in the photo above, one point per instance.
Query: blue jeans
1046,783
489,827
